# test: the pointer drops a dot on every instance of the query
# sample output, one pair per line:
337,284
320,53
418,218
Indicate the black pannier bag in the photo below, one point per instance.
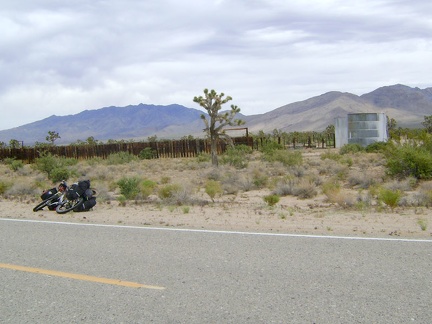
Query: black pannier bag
87,205
77,189
49,193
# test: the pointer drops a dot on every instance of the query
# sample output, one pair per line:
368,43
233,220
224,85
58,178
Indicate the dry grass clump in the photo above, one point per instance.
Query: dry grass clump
22,187
406,184
301,188
361,179
333,191
423,197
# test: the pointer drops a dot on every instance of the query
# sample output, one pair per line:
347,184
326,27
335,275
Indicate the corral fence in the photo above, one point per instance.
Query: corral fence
159,149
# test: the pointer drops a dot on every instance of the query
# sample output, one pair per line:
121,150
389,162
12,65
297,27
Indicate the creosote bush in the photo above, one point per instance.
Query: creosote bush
14,164
406,160
213,188
389,197
147,187
168,191
237,156
271,200
56,168
351,148
129,187
147,154
286,157
59,174
4,186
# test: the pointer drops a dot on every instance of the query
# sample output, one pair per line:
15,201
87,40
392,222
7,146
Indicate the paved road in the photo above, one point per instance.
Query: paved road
209,277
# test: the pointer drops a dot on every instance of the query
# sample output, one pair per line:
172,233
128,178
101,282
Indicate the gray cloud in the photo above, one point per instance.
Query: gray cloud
63,57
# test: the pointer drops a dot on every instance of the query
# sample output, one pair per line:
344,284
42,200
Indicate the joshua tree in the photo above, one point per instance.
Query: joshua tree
212,102
52,137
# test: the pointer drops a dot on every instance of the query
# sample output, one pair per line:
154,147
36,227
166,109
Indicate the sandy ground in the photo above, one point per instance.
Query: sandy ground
246,212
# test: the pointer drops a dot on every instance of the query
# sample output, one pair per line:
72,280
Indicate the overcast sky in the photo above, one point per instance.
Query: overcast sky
62,57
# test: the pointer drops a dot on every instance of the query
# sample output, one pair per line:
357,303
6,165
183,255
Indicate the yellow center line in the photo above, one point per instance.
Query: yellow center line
79,276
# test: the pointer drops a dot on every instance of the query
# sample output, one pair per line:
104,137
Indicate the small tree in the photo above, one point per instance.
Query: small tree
212,102
14,144
91,141
52,137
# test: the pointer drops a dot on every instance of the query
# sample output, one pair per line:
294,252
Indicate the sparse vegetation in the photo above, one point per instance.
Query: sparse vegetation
389,197
356,181
271,200
213,188
129,187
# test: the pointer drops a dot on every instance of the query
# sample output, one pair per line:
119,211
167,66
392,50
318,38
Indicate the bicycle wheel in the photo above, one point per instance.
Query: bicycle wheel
45,203
41,205
68,205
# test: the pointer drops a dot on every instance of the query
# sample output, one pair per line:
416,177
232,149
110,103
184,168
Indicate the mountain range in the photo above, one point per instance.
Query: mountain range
408,106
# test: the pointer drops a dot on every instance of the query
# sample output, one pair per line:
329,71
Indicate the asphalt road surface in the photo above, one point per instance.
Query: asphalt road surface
70,273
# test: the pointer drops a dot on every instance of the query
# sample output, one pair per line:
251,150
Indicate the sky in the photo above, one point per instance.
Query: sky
62,57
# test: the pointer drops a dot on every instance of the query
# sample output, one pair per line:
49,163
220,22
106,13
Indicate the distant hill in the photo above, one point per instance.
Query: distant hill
406,105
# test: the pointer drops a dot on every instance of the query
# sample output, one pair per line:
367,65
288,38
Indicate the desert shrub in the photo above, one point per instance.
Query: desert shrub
214,174
237,156
203,157
389,197
305,189
46,163
330,156
406,160
378,147
147,187
423,224
129,187
331,189
424,195
402,184
181,196
259,178
285,187
168,191
298,171
364,200
269,147
122,200
165,180
362,180
14,164
272,199
335,195
4,186
231,183
347,160
287,158
20,188
213,188
67,161
351,148
59,174
245,183
120,158
94,161
147,154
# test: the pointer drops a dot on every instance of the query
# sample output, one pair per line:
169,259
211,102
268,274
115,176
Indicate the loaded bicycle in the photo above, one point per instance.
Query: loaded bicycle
52,197
78,197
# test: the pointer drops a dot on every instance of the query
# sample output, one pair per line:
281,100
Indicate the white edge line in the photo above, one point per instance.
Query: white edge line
221,231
